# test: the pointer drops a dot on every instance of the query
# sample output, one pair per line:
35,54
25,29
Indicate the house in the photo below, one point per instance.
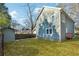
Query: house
8,34
54,24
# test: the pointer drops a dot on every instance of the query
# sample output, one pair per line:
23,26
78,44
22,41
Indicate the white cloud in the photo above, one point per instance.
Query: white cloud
45,6
36,10
13,14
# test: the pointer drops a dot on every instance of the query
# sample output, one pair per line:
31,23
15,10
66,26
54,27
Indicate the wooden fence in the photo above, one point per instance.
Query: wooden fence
23,36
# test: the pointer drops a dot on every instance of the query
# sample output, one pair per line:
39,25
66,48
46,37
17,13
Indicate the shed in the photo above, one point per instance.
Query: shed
54,24
8,34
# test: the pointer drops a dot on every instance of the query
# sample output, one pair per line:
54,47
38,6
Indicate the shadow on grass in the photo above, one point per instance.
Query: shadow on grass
73,39
22,51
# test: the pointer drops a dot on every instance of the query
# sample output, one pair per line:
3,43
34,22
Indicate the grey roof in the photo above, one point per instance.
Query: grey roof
6,28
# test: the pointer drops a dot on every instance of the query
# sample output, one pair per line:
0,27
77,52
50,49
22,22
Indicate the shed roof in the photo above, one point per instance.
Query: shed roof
67,15
6,28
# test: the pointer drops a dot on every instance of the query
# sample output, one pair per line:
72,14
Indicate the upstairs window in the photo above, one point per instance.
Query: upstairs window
53,17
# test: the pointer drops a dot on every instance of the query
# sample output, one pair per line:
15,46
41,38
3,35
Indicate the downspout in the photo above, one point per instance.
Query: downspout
60,37
73,28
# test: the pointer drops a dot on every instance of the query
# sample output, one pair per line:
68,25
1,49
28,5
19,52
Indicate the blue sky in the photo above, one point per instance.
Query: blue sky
18,11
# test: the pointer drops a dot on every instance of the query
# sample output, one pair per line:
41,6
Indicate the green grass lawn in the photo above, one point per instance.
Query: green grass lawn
35,47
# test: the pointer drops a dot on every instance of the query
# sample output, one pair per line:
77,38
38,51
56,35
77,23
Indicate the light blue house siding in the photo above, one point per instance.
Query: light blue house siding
54,25
47,30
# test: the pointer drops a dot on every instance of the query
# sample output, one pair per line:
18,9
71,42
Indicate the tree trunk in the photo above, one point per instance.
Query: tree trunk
2,43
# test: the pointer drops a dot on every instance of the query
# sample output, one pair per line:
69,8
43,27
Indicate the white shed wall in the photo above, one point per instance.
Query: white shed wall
67,25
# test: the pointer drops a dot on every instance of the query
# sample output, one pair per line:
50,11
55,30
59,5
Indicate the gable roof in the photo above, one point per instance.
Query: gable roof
51,10
67,15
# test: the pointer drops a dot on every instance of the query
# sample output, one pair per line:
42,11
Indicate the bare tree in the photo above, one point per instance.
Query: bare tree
72,9
31,19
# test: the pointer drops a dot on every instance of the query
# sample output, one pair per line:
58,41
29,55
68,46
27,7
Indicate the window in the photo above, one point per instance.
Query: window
49,31
53,17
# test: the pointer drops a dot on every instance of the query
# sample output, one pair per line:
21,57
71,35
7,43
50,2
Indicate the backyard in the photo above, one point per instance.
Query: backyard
41,47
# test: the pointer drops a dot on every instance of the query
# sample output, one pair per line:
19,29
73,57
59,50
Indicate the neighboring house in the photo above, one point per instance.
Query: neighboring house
34,31
8,34
25,31
54,24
